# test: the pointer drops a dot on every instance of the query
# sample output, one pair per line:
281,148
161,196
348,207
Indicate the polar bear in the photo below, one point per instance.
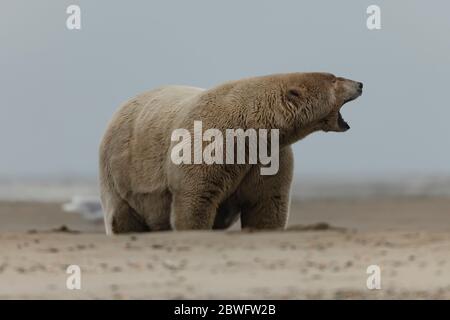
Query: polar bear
142,189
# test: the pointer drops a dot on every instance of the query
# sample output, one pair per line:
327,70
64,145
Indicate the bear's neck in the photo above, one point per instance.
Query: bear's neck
288,137
265,111
255,104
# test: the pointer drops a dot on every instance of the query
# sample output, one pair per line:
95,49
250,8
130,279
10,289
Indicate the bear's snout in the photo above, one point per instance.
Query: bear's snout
354,90
357,86
350,91
360,87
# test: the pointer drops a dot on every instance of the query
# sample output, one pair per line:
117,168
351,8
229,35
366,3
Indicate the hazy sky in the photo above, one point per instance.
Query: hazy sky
58,88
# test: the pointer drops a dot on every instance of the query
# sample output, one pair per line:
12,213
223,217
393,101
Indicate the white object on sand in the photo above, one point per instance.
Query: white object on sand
87,206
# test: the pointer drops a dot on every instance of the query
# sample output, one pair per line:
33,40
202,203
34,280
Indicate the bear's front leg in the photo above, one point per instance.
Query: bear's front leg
198,191
193,210
267,203
268,213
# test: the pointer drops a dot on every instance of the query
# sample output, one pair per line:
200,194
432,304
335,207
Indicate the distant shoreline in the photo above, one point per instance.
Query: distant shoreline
304,187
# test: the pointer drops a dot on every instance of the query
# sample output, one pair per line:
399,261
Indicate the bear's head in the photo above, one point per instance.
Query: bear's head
315,100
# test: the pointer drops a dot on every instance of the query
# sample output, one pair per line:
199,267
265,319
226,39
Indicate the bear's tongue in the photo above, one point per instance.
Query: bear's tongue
342,124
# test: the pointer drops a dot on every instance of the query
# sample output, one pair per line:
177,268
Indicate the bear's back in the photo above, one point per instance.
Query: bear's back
134,148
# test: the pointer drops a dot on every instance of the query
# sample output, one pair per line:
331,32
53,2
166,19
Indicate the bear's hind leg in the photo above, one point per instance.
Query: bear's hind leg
119,216
125,220
154,208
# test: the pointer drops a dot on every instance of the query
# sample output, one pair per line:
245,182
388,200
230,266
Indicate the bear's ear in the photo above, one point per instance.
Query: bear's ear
294,95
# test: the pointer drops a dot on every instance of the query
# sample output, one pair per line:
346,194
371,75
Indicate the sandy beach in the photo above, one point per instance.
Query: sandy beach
324,254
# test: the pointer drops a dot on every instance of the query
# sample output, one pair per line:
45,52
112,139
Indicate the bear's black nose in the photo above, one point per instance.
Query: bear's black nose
360,85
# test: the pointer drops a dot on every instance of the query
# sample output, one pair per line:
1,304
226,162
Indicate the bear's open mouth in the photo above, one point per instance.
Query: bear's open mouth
341,123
